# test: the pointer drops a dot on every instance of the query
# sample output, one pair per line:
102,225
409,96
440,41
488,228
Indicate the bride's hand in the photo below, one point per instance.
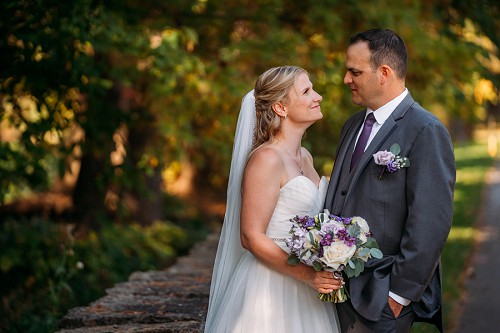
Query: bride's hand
325,282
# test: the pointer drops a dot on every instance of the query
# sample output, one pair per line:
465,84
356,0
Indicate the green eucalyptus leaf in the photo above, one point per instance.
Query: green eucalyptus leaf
371,243
376,253
293,260
349,271
317,266
353,230
364,251
395,149
311,238
360,267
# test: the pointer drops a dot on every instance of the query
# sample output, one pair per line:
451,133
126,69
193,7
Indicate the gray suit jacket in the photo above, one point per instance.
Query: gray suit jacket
409,211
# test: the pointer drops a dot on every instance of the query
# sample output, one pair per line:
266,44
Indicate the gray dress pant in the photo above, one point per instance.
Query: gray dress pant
352,322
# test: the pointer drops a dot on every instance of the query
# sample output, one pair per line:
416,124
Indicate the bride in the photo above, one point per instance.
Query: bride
272,179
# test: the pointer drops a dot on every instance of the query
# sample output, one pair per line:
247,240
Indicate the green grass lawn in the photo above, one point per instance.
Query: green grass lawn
472,162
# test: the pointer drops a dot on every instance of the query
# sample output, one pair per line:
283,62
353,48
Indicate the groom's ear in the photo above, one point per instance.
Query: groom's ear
385,72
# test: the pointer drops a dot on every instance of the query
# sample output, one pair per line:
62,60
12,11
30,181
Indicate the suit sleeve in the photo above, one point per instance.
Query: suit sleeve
430,182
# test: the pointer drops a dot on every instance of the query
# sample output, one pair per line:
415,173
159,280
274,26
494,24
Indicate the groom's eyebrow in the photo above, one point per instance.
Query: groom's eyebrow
353,69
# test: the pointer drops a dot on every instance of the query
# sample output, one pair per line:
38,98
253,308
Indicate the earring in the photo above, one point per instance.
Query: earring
285,116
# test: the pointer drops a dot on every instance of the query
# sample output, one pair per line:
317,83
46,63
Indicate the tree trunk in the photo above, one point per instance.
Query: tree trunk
102,118
148,193
88,194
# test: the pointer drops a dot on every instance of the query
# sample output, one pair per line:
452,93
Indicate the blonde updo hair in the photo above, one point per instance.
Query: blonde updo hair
272,87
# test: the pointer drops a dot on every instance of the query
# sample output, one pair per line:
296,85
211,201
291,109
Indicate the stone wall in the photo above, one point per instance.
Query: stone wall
174,300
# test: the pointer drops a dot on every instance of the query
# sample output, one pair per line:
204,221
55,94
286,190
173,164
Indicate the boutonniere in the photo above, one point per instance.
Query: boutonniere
391,161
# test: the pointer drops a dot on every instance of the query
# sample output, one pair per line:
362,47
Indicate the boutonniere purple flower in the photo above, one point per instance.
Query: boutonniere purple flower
391,161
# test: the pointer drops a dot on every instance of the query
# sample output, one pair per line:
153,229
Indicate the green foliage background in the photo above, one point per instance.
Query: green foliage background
45,271
168,76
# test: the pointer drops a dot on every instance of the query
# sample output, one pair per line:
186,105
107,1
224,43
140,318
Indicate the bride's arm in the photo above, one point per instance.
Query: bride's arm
260,192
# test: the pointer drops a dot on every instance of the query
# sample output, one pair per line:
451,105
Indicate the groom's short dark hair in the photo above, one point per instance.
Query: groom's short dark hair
386,47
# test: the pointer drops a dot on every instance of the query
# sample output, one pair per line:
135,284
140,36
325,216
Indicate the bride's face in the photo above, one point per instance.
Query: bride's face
304,102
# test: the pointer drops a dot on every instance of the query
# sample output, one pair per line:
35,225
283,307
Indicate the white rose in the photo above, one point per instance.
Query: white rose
338,253
363,238
363,226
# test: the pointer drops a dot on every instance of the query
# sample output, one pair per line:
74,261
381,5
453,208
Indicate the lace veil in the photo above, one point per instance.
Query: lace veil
229,251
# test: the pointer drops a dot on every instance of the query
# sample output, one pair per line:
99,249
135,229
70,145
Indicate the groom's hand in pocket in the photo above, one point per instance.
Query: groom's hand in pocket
395,307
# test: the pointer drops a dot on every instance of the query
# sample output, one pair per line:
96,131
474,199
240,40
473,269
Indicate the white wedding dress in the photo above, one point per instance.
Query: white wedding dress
261,300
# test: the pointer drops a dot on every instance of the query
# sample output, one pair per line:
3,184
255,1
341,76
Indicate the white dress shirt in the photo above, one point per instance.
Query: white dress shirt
381,115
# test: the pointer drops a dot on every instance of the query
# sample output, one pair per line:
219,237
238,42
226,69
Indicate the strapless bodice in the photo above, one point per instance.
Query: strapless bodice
299,196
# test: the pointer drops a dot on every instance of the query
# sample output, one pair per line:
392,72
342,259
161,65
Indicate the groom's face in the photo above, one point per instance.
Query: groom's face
361,77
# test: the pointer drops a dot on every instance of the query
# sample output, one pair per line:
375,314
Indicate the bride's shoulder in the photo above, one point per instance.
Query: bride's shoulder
266,156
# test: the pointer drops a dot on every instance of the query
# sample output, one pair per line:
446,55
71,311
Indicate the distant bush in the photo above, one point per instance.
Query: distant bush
44,270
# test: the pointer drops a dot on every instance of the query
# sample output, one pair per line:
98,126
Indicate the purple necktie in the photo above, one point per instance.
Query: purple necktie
363,139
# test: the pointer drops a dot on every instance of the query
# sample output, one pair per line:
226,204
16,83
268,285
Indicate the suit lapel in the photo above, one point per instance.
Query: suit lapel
343,154
387,128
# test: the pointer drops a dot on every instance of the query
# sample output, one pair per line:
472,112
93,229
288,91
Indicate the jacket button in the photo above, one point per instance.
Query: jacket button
343,192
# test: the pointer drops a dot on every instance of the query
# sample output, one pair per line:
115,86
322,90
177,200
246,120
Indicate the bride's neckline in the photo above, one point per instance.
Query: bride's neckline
302,176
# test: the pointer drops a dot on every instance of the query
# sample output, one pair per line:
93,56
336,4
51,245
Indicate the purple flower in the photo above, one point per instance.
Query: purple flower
305,222
392,167
310,223
346,220
340,219
327,240
344,236
330,228
391,160
383,157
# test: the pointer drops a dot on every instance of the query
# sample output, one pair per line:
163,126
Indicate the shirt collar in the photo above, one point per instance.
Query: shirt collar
383,112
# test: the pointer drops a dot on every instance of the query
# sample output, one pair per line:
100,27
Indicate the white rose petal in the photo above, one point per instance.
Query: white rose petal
362,237
363,225
338,253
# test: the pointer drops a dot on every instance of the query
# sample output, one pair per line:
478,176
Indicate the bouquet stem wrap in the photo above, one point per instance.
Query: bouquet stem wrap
337,296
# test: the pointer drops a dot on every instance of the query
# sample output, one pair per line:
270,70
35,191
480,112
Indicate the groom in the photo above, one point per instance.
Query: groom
409,208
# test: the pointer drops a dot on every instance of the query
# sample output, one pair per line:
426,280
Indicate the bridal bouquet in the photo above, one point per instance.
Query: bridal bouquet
333,243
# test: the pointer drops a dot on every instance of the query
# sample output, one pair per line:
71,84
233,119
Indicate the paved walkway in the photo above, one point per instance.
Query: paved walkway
481,310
